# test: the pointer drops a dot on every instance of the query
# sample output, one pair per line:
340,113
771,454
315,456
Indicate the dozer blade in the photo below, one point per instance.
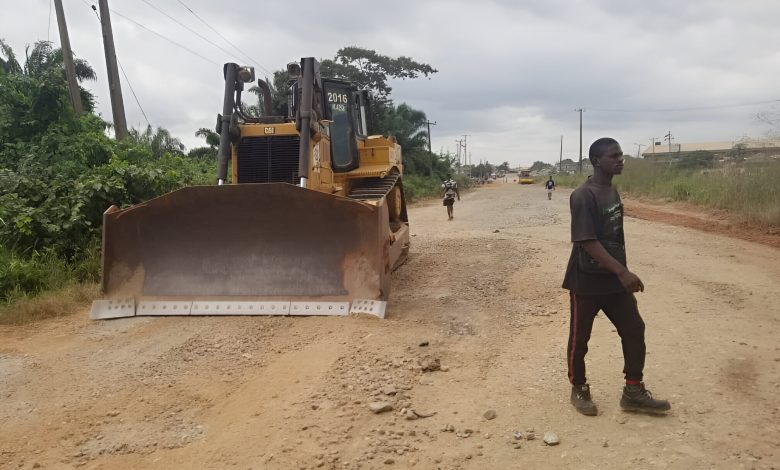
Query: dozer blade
245,250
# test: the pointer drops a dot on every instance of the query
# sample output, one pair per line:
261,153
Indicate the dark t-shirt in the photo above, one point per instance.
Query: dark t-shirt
596,214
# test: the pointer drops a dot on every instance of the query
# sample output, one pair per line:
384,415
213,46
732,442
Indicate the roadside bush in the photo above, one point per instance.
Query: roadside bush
417,187
752,194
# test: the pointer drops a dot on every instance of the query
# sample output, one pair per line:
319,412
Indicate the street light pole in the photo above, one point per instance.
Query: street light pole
580,110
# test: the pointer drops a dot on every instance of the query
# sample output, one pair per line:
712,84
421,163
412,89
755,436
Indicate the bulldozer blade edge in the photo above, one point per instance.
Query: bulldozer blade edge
252,249
109,309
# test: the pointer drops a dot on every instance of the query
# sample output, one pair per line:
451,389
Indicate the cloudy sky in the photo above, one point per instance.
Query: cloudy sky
511,73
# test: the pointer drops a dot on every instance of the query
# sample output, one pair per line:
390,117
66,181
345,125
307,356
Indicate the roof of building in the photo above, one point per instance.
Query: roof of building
714,146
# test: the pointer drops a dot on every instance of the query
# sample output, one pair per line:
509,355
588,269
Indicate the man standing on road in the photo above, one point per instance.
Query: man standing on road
449,191
597,278
550,185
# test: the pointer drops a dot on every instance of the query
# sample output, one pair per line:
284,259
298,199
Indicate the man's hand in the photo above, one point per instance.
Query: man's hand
631,282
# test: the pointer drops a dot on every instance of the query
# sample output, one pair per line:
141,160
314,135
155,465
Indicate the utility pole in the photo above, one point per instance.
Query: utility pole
560,160
429,123
67,58
114,86
669,138
652,143
580,110
638,148
465,151
430,153
460,144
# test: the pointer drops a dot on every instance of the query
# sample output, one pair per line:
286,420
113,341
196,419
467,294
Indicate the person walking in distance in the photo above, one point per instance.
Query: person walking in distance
449,192
598,279
550,185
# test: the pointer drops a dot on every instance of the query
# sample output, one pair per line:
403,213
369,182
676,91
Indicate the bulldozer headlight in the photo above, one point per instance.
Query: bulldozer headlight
246,74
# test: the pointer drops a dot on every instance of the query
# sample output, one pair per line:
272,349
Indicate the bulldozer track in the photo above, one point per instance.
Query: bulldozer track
375,188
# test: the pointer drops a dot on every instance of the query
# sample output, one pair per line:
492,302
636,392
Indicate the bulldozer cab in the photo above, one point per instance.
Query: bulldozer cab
344,119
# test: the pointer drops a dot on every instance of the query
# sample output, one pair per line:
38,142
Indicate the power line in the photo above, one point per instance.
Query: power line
133,92
230,54
164,37
226,39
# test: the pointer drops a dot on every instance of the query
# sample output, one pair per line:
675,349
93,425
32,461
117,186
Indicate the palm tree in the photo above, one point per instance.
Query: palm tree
8,62
159,141
41,60
212,138
44,62
407,125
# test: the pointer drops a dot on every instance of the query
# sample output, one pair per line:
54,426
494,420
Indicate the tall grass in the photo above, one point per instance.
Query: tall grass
43,271
66,299
752,194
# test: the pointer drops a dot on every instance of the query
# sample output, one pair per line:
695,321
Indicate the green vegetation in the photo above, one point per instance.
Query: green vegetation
60,172
751,193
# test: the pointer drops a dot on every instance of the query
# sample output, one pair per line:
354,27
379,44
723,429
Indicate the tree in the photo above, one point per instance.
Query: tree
538,166
44,62
212,138
371,70
160,141
503,167
408,127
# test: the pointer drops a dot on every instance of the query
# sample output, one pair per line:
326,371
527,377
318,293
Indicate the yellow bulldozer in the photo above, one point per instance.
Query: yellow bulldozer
307,216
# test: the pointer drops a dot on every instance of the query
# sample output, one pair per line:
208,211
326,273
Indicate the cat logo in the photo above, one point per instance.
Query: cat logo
269,130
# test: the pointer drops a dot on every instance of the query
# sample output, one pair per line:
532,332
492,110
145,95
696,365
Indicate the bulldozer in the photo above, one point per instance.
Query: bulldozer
307,216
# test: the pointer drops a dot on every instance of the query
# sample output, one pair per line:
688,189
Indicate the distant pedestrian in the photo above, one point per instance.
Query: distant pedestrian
449,191
598,278
550,185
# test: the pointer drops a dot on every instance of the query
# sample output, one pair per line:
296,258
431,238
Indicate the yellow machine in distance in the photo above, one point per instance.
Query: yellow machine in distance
312,220
525,177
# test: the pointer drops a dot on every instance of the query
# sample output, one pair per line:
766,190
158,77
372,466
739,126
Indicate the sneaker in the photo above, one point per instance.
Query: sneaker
638,398
580,398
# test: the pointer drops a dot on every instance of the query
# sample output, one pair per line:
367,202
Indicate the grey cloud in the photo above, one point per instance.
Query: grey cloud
511,73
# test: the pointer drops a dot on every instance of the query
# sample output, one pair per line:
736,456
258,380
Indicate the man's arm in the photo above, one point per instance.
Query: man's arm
457,192
630,281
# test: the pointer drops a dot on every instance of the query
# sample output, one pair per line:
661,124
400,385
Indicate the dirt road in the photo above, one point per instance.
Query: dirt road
483,292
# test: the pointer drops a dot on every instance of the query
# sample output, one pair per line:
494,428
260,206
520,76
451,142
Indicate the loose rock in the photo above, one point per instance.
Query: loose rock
489,414
551,439
423,344
379,407
424,414
430,365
